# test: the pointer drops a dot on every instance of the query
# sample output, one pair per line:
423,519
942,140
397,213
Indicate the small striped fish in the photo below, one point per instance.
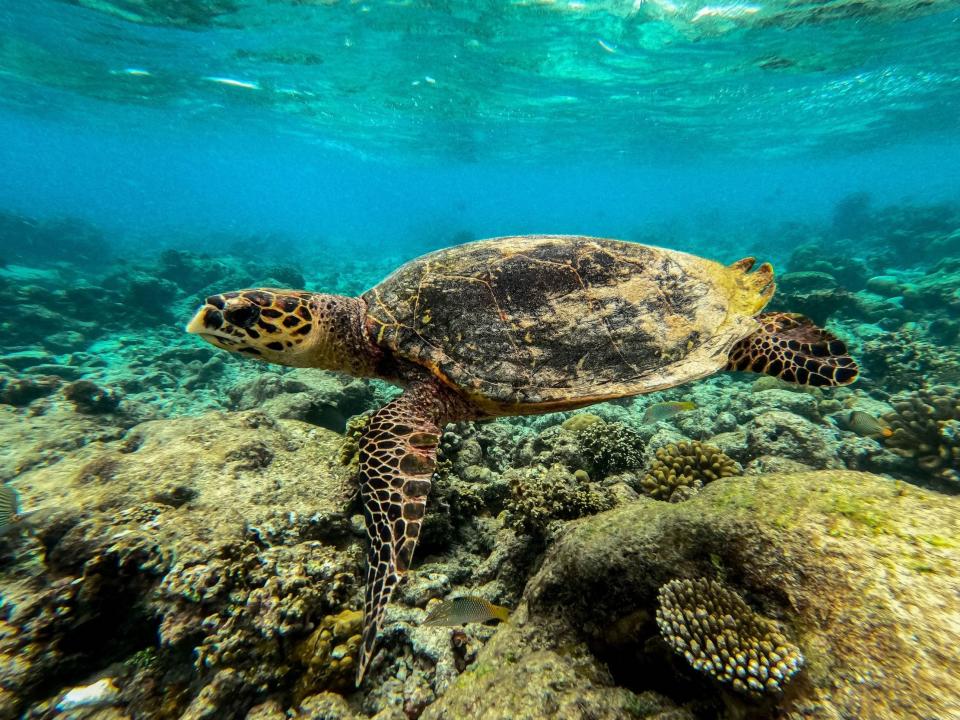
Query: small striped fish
462,610
9,507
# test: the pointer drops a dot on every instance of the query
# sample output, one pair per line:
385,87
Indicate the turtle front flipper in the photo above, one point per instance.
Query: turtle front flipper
790,347
398,453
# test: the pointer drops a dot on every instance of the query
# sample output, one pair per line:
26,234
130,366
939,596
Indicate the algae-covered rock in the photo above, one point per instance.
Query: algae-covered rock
860,572
211,545
541,684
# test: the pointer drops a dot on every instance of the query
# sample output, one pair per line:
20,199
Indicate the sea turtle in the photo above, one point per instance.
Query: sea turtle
514,326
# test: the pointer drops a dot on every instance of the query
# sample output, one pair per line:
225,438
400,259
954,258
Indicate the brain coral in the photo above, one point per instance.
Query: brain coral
718,634
683,468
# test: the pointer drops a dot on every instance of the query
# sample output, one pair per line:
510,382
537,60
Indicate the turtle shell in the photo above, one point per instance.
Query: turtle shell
547,322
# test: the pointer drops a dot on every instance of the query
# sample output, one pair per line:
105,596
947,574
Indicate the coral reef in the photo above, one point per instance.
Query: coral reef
816,552
540,496
718,634
682,469
329,654
906,360
925,427
221,538
188,562
607,447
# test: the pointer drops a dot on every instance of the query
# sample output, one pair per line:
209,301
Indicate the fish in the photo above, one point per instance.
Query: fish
865,424
666,410
9,508
466,609
10,516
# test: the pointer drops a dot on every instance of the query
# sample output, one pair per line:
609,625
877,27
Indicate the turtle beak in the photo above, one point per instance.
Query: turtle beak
205,322
209,324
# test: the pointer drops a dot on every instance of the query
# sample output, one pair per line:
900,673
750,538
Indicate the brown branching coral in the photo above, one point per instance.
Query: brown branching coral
683,468
718,634
540,496
925,427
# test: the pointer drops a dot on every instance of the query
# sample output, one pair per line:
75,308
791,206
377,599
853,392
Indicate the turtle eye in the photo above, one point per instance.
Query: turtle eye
243,316
212,319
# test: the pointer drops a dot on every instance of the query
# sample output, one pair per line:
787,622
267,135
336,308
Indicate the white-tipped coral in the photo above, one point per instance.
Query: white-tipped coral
718,634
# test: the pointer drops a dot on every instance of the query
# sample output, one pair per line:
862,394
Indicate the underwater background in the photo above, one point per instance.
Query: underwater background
179,532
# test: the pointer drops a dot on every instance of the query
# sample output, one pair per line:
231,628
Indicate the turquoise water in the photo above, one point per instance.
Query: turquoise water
182,531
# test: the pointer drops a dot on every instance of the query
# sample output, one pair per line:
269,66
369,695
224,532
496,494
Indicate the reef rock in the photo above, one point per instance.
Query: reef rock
859,572
190,558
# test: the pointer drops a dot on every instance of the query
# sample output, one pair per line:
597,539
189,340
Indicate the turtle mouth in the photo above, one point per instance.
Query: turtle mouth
217,339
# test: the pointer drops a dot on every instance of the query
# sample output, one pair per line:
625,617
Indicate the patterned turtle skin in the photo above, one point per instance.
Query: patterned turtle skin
514,326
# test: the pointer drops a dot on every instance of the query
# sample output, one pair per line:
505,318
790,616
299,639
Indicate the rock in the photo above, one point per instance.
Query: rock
806,282
544,684
65,372
25,359
790,436
859,571
314,396
64,341
791,401
88,397
885,285
324,706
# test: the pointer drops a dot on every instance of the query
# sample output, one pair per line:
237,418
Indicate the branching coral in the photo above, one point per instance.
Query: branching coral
683,468
608,447
718,634
925,427
540,496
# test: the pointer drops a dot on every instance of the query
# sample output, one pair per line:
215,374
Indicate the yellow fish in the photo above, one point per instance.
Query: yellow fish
462,610
665,410
867,425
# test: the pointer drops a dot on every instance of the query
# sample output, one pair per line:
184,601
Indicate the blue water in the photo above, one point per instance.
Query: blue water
530,125
157,153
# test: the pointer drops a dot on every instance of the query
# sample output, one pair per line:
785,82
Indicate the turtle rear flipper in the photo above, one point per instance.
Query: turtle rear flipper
790,347
398,453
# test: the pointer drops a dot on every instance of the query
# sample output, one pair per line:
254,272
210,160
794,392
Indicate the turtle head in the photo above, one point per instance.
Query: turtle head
286,327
